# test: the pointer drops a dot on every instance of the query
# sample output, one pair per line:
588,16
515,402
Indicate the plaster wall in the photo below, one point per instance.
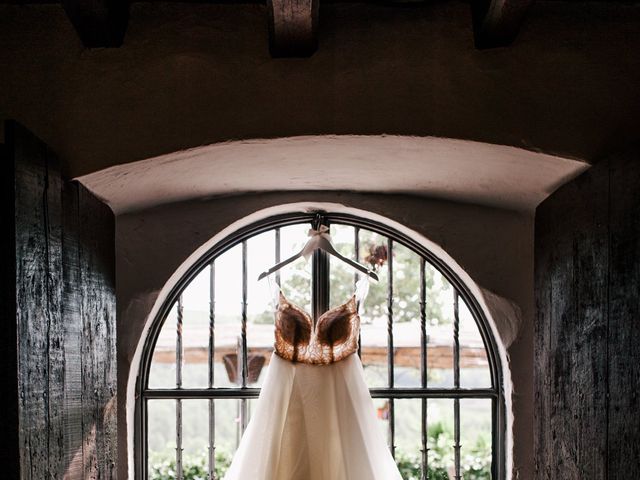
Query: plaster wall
193,74
494,246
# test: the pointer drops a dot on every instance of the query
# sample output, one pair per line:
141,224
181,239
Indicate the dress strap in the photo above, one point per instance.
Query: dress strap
362,290
275,291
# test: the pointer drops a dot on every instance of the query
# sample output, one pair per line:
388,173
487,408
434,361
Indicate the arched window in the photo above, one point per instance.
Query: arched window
429,358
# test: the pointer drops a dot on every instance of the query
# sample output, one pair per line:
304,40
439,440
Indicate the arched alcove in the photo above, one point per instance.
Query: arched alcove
271,218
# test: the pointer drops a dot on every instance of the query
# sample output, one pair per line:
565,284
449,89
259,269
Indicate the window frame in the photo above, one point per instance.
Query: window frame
320,303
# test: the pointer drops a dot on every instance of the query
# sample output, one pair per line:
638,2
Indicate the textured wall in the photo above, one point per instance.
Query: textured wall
587,342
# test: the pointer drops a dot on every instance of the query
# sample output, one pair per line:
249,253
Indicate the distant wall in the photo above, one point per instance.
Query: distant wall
493,246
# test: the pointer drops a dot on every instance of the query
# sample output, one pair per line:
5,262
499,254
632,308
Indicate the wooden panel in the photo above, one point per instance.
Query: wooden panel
587,352
624,320
570,349
38,291
97,294
9,441
73,428
293,26
64,313
99,23
496,22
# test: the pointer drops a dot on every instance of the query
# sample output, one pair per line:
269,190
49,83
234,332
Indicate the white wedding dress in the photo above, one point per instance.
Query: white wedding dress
315,419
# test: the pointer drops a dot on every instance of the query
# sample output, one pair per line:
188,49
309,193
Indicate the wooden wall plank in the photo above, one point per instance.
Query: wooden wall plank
99,23
587,352
293,27
97,270
73,428
624,320
63,310
570,350
38,280
496,23
9,440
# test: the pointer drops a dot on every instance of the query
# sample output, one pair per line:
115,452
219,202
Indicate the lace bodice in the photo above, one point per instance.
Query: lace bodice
334,337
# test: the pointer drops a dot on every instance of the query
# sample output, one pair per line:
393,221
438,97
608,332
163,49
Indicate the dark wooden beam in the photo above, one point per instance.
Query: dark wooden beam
99,23
496,22
293,27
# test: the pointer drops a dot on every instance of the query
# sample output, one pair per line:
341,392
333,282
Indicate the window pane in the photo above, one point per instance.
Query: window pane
260,312
342,276
475,438
474,365
228,430
195,331
161,437
408,415
406,316
296,277
162,373
440,438
439,305
228,316
382,410
373,312
195,438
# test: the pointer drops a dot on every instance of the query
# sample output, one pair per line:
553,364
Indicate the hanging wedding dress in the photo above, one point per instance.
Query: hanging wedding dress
315,419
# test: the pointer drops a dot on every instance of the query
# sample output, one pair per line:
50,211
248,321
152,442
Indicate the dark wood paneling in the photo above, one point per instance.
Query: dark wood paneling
9,441
571,275
293,27
64,313
624,320
96,235
496,23
587,344
74,431
99,23
38,289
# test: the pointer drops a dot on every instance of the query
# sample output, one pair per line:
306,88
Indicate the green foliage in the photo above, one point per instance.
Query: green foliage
193,467
409,466
474,466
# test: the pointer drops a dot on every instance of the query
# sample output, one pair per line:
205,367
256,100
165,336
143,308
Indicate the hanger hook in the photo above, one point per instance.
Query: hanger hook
318,220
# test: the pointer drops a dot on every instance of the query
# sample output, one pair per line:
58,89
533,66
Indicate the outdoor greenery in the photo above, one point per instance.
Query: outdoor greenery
475,466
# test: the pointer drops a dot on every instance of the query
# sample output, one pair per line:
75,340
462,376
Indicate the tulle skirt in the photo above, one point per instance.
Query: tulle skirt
313,422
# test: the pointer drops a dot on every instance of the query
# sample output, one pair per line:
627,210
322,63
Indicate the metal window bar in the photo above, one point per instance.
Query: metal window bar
319,274
250,392
494,393
390,348
243,339
456,381
356,277
277,248
211,362
179,354
423,371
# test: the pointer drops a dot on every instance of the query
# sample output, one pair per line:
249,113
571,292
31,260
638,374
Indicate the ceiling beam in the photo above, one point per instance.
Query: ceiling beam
496,22
99,23
293,26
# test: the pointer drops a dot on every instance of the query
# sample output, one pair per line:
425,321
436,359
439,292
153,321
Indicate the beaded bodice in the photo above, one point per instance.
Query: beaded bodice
334,337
